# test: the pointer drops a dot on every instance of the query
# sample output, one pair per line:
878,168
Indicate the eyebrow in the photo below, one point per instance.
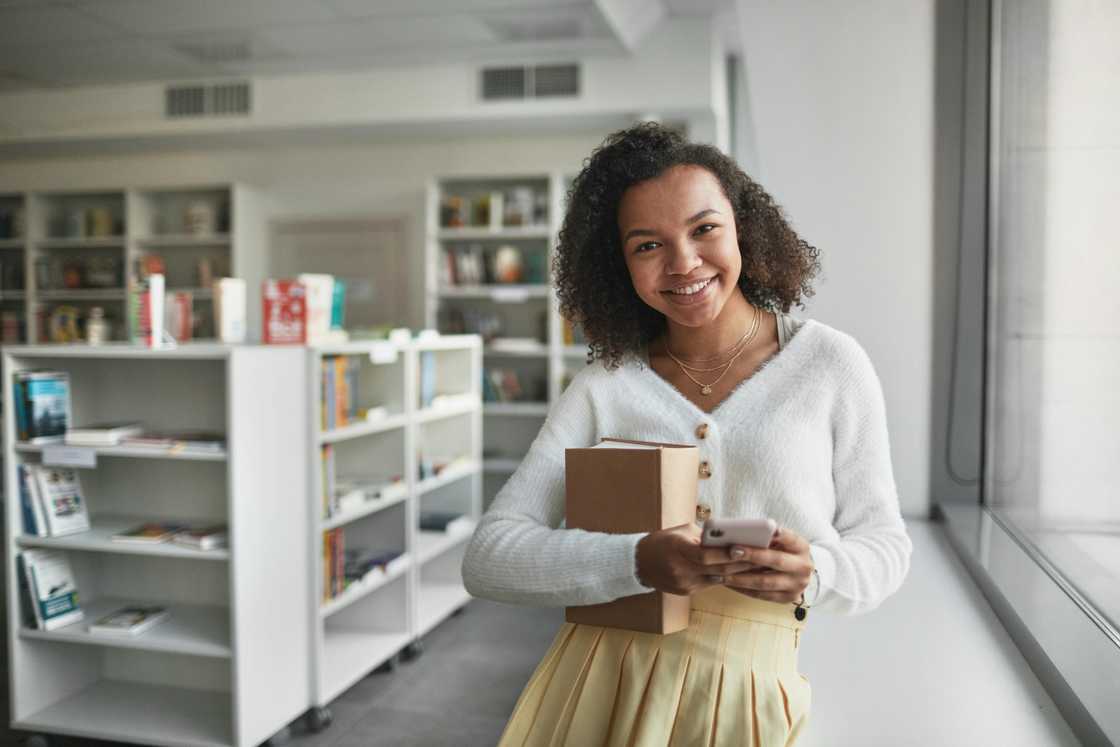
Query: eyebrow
650,232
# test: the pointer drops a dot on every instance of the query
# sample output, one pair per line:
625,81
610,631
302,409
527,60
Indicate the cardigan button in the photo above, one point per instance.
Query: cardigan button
702,430
705,469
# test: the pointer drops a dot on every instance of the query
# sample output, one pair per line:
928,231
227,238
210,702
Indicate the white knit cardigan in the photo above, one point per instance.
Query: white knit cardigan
803,441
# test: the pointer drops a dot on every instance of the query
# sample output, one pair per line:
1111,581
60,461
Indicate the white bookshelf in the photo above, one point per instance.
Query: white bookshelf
373,620
69,232
230,664
525,309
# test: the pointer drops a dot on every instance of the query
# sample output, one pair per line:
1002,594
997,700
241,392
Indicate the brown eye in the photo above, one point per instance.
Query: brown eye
706,228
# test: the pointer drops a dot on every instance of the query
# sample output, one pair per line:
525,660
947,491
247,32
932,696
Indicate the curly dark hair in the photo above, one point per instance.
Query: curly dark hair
592,281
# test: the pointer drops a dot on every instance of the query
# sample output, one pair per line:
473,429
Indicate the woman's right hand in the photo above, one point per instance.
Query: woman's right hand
672,560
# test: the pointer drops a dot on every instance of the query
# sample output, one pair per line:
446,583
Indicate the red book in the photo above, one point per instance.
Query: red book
285,312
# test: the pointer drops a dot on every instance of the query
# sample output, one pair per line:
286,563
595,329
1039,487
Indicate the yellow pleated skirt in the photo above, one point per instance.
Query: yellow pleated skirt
730,678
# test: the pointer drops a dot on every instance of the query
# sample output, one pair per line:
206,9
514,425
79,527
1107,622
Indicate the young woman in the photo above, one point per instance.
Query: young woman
681,272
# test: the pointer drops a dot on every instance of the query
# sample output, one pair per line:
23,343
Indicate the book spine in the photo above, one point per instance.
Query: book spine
21,409
28,513
342,397
328,372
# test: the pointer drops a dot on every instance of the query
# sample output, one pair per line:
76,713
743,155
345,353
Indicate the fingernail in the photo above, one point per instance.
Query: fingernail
737,552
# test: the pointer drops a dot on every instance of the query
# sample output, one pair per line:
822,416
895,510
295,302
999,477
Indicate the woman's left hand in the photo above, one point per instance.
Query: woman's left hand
786,569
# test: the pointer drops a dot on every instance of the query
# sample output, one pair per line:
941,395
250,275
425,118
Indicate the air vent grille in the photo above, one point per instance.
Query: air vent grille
217,100
503,83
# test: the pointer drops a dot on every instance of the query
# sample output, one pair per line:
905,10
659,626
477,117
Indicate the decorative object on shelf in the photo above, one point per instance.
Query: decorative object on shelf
229,310
75,223
199,218
99,222
179,315
518,206
212,537
97,327
150,264
11,327
205,271
508,267
103,272
63,324
451,211
11,274
319,303
285,312
480,210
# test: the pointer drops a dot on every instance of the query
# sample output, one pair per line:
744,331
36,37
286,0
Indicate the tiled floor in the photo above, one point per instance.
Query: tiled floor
932,666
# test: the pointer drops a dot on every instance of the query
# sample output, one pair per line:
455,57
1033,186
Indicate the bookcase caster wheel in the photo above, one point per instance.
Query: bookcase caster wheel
390,665
412,650
37,740
319,719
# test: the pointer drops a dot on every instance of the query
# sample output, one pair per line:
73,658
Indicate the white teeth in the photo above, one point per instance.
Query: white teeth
688,290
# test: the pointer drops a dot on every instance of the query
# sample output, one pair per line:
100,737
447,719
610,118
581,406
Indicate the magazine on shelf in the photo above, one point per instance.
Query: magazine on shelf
42,405
102,434
149,533
203,538
53,589
192,440
131,620
60,492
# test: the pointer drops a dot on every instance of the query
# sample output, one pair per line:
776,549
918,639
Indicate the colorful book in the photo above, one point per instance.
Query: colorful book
131,620
229,309
203,538
285,312
34,520
199,440
42,403
150,533
52,588
60,492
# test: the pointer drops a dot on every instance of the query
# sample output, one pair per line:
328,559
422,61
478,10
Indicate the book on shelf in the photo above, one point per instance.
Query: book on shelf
427,377
515,345
360,565
178,315
131,620
448,522
149,533
339,392
351,493
213,537
186,440
229,309
52,588
327,479
285,312
319,290
502,385
102,434
146,309
31,508
457,399
60,492
334,553
42,406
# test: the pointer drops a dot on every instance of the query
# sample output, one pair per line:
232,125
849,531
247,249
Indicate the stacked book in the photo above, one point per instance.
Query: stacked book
447,522
206,537
365,565
339,398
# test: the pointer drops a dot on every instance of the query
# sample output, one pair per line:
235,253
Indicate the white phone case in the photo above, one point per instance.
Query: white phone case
749,532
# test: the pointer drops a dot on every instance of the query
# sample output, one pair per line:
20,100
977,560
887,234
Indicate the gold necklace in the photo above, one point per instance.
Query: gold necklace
706,389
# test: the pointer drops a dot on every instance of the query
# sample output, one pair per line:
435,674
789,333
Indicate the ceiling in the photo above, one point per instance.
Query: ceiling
56,43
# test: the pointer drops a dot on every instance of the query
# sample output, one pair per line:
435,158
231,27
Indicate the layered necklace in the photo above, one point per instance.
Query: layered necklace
734,351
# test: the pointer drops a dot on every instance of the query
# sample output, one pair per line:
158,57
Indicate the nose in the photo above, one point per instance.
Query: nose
683,258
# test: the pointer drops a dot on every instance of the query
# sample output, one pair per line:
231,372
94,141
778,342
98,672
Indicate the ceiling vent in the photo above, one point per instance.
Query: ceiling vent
214,100
529,82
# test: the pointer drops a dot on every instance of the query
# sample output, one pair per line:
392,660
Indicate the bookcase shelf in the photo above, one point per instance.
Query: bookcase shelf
208,674
195,630
433,544
371,620
528,310
138,452
110,230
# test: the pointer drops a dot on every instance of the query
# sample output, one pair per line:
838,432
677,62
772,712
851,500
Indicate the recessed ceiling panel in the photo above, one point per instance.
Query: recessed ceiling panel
118,62
43,24
368,36
159,17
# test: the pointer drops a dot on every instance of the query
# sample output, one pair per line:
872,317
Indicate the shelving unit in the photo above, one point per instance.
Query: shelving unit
230,664
81,248
521,309
373,620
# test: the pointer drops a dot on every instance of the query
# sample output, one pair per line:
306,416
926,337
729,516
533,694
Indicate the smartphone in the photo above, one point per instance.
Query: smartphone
749,532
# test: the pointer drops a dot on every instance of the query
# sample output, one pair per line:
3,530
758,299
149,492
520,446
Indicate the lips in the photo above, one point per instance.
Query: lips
691,289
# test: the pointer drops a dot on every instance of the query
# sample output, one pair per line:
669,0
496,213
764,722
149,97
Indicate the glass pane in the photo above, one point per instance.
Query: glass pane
1054,467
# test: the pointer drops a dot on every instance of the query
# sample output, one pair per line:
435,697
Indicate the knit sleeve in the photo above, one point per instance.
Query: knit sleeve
518,552
869,559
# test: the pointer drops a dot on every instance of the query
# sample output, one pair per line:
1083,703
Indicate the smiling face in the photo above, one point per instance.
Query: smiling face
680,244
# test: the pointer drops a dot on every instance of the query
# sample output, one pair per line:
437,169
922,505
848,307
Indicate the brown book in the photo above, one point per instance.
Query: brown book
621,487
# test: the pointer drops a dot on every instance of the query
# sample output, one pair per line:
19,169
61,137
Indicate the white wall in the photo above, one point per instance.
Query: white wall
841,100
320,181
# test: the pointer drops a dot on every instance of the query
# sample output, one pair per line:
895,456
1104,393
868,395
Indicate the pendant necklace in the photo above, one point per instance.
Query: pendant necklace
706,389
